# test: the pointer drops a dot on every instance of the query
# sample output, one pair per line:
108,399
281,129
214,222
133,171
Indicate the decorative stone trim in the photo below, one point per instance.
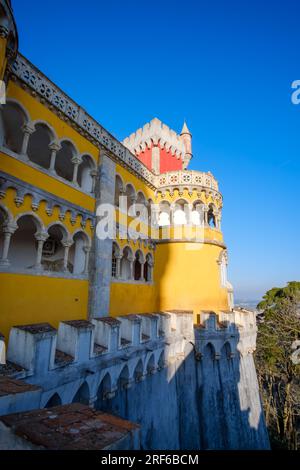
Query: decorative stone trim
54,147
186,179
67,108
38,195
42,273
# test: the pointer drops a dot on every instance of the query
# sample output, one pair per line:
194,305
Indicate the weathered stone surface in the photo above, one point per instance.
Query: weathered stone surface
72,427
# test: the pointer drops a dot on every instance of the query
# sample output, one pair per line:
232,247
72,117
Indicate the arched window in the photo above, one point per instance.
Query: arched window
164,218
197,214
211,218
141,210
115,263
82,395
150,204
148,267
53,401
54,256
64,166
131,200
13,120
127,264
78,253
118,190
38,148
180,212
23,245
138,266
85,178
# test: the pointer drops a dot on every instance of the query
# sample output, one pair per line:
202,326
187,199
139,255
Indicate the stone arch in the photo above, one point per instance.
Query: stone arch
126,263
211,216
23,244
142,209
85,176
139,260
55,258
131,199
138,373
13,117
119,189
64,162
197,213
123,379
150,368
38,150
209,351
164,218
79,252
161,360
82,395
115,260
179,209
226,350
148,267
103,391
54,400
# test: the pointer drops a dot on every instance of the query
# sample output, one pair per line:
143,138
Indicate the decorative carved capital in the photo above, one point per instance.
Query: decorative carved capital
10,228
28,128
41,236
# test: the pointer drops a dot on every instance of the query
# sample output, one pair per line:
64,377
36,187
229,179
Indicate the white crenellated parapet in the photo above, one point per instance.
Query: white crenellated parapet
111,353
236,329
155,133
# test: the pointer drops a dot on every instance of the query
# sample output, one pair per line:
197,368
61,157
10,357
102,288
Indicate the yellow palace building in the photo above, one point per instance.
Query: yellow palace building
60,171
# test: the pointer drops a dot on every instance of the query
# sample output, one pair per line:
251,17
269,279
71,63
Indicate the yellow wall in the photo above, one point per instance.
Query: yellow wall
45,182
37,299
187,277
132,298
3,60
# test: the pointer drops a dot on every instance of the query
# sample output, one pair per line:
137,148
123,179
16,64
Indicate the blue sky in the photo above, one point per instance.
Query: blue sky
225,66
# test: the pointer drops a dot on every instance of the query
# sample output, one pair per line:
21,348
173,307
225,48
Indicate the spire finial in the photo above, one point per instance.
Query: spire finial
185,129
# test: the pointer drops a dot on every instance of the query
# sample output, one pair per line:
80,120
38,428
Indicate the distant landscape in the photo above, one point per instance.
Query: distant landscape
251,304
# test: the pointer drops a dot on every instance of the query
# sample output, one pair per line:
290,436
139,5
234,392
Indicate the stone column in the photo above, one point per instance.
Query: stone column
86,250
101,253
41,237
94,176
66,244
205,211
54,147
142,270
28,129
8,231
76,161
118,266
131,261
131,208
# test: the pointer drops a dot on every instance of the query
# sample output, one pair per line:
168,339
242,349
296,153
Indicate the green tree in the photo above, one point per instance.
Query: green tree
278,328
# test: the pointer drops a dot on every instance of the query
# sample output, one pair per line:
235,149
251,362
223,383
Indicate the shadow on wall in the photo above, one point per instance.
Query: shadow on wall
199,401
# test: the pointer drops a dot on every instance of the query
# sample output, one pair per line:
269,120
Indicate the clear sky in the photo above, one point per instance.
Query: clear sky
224,65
